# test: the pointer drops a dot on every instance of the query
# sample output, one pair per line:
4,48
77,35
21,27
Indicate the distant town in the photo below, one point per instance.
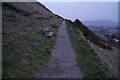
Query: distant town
109,31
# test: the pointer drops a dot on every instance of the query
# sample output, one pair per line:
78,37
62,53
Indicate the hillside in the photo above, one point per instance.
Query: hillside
96,58
92,37
25,50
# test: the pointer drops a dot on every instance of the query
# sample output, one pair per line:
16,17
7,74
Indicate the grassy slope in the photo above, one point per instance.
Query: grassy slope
26,51
87,59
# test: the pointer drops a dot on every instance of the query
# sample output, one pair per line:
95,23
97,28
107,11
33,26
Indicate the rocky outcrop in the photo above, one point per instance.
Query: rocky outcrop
92,37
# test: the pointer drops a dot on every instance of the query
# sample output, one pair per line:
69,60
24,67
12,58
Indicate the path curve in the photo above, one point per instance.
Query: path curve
63,61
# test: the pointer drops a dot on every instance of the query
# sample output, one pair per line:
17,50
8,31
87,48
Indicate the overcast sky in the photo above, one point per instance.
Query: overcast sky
85,10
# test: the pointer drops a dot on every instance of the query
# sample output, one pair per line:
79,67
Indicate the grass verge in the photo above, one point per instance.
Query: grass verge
87,59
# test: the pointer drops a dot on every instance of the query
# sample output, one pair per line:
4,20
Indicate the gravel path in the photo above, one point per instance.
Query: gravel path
63,61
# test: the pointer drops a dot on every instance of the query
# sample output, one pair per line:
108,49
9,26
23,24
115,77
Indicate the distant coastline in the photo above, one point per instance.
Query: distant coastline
101,22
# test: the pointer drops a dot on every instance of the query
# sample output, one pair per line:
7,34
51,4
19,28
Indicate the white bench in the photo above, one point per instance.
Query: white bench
45,29
47,33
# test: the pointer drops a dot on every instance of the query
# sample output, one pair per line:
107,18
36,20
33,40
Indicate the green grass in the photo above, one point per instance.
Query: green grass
16,63
87,59
26,54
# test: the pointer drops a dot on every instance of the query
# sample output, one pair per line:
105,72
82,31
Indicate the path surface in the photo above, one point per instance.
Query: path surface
63,61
